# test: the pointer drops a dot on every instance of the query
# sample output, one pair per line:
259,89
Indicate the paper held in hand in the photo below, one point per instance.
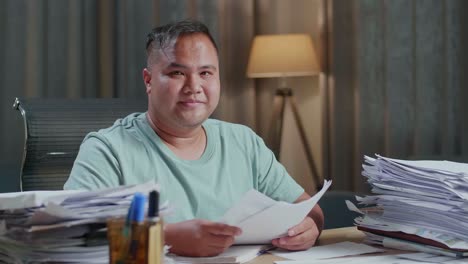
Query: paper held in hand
263,219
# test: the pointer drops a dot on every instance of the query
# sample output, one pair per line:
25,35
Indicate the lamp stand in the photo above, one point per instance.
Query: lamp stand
281,97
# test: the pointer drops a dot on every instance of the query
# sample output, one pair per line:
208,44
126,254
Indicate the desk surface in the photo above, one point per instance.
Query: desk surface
329,236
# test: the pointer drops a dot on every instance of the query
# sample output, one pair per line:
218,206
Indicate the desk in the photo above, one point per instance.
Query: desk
329,236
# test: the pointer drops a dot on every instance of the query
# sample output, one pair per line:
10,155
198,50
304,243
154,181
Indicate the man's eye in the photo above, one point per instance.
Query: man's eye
176,73
205,73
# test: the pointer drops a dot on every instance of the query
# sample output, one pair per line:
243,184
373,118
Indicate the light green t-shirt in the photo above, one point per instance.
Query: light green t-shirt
235,160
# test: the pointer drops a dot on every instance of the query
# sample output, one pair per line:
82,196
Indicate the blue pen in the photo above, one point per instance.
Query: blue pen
128,221
265,250
134,212
137,226
126,232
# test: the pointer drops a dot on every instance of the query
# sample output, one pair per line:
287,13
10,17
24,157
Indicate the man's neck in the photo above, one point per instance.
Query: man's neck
188,145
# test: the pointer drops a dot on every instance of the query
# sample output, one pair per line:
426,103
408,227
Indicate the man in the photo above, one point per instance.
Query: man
203,166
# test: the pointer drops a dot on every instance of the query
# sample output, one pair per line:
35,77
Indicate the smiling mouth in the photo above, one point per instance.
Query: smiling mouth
190,103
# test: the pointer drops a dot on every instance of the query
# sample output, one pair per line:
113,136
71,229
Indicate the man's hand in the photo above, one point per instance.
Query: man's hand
199,238
300,237
305,234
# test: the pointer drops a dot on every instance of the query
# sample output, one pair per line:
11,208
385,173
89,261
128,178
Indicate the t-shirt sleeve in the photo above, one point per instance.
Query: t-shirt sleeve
95,167
273,179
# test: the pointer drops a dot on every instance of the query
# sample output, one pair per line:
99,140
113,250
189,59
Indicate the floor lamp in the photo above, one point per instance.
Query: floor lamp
282,56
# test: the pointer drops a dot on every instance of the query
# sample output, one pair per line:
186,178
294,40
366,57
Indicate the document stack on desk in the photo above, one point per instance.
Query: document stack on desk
61,226
418,205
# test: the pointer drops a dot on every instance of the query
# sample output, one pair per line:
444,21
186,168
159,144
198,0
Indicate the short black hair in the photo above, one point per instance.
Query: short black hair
161,37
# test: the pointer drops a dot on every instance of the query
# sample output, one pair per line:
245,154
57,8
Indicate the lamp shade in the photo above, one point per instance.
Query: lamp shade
282,56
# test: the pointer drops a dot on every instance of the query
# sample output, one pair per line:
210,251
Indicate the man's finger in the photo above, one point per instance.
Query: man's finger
220,241
223,229
306,224
300,239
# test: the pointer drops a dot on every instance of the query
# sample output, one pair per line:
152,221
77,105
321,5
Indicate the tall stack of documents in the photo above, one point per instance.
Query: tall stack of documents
61,226
418,205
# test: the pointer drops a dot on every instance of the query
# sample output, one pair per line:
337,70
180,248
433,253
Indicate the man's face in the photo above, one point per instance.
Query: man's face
183,83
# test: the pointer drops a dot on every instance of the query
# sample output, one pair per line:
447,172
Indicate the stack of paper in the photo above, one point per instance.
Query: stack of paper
61,226
425,202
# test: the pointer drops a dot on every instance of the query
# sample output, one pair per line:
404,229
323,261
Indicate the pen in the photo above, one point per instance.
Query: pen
153,205
131,231
265,250
126,232
137,226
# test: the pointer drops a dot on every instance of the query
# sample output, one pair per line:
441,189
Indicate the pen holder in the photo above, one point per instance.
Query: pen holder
139,243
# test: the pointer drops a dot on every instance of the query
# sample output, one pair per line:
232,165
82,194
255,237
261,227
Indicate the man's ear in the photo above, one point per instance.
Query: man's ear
147,80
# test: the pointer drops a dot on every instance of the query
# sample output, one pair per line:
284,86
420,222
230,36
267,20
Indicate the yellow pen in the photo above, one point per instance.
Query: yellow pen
155,232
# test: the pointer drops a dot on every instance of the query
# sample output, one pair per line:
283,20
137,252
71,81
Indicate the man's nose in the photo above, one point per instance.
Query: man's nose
192,84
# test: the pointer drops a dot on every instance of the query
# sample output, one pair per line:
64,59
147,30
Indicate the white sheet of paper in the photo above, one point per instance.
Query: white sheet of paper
443,166
18,200
457,261
387,259
328,251
426,257
251,203
234,254
271,222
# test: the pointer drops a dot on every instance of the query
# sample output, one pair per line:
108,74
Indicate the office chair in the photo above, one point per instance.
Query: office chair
54,130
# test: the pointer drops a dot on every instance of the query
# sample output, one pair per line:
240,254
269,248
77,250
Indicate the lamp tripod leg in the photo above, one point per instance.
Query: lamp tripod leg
276,128
308,152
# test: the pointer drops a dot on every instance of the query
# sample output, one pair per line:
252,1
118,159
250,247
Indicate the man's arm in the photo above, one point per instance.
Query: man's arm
305,234
95,166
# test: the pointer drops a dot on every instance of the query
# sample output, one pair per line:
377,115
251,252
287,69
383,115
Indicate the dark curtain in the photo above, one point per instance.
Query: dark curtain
398,75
